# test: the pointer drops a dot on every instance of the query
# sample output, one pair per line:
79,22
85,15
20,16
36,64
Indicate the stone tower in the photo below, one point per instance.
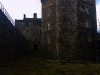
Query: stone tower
68,29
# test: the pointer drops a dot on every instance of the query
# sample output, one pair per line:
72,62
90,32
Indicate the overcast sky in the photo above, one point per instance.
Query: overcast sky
17,8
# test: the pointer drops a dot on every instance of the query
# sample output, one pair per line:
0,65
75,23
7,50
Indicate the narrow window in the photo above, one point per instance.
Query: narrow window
27,30
87,9
87,23
48,26
49,11
89,39
48,39
40,30
35,47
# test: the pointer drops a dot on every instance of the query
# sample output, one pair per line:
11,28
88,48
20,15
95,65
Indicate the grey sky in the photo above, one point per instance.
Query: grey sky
17,8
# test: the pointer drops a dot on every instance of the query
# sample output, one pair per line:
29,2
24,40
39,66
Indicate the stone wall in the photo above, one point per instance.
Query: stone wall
31,29
74,28
87,29
12,43
67,28
49,30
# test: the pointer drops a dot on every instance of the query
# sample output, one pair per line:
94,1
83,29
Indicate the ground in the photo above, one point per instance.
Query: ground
40,66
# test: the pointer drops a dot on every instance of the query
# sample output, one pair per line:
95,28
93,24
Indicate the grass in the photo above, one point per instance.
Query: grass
39,66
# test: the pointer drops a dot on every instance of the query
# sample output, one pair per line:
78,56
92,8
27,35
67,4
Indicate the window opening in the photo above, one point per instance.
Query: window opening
89,39
35,47
48,26
87,23
49,12
40,30
48,39
27,31
87,9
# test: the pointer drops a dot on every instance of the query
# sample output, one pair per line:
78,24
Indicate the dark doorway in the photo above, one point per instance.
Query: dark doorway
35,47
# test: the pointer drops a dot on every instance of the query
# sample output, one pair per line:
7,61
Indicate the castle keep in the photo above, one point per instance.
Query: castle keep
69,28
66,31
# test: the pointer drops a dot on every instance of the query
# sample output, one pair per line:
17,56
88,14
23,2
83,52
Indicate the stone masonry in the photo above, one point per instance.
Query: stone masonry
12,42
31,29
68,29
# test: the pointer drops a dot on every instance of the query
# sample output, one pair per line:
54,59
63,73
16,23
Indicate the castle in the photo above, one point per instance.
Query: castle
69,28
31,29
66,31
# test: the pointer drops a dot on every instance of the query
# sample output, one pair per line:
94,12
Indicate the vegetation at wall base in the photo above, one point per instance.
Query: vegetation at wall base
40,66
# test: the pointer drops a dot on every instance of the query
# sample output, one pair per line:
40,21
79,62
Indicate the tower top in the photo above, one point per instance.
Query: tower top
42,1
35,15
